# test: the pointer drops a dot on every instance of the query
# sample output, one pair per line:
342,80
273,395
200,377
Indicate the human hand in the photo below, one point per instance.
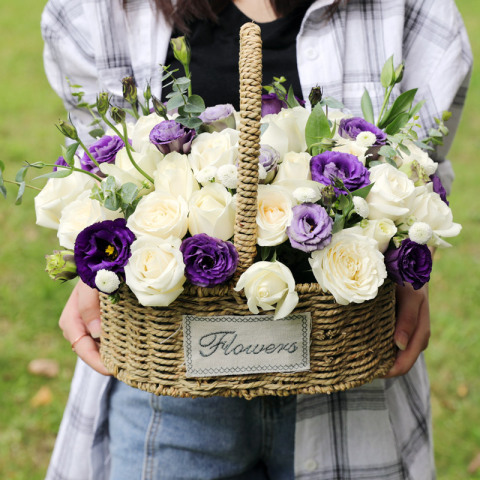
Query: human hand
412,330
80,323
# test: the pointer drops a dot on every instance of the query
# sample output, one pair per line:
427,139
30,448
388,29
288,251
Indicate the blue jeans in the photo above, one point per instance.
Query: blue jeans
156,438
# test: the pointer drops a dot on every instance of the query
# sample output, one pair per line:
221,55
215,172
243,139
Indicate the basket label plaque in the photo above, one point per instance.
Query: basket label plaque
238,345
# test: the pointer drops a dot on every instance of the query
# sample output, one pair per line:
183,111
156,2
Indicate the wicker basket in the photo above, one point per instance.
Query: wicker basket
350,345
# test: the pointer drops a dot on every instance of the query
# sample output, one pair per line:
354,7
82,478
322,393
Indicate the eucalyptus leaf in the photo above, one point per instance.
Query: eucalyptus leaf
391,162
111,202
387,151
60,173
3,190
175,102
332,103
97,132
367,107
128,193
317,127
404,149
69,155
21,191
195,104
193,122
388,73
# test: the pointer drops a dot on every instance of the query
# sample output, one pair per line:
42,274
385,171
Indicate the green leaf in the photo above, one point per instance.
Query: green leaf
367,107
21,191
332,102
343,202
338,223
388,73
363,192
3,190
175,102
404,149
194,122
402,104
265,253
111,202
387,151
414,111
397,124
128,193
70,154
195,104
60,173
292,102
97,132
317,127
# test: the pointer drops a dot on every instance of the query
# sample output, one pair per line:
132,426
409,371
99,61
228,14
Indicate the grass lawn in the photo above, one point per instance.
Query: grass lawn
30,303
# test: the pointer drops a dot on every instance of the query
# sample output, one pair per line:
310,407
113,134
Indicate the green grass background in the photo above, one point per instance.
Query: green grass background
30,303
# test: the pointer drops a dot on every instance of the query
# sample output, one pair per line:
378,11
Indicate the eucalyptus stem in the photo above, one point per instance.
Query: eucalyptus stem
19,183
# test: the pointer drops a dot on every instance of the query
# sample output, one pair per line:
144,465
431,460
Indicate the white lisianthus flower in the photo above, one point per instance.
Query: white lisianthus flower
78,215
124,171
57,194
140,134
155,271
366,139
227,176
428,207
107,281
392,193
160,214
274,214
381,230
306,195
206,175
354,148
360,206
351,268
416,155
269,286
174,175
212,212
286,130
214,149
295,166
420,232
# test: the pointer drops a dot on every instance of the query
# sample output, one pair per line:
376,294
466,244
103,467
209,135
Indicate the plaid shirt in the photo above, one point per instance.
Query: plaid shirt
381,430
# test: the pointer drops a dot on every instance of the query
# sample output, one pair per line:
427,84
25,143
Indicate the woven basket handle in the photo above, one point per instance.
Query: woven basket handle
250,66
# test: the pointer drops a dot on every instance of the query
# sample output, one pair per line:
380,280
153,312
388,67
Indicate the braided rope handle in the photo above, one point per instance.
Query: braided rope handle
250,67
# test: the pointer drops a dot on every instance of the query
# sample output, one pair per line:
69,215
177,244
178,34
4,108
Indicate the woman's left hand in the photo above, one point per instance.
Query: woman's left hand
412,330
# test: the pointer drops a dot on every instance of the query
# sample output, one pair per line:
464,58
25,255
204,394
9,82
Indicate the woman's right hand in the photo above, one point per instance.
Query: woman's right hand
80,323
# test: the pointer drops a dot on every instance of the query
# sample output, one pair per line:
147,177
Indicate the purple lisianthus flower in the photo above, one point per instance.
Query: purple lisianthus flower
60,161
171,136
310,228
272,104
439,188
411,263
103,246
208,261
104,150
351,127
328,166
268,158
219,117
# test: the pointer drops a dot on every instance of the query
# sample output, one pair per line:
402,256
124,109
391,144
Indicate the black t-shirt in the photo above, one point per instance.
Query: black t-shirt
215,50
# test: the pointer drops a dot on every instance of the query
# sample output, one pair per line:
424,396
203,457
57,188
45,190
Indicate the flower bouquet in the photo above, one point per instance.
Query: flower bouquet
181,213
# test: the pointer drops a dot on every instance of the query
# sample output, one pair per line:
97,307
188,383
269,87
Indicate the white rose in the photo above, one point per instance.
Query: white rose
78,215
174,175
428,207
269,285
392,193
351,268
141,132
214,149
381,230
57,194
161,215
273,215
212,212
286,130
352,147
295,166
416,155
155,271
123,170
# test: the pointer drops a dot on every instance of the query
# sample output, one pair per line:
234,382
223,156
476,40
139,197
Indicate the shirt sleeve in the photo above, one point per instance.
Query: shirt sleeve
438,58
69,58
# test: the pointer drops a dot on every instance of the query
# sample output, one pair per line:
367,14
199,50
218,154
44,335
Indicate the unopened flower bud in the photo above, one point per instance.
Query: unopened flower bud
316,94
181,50
103,103
399,73
129,90
118,115
159,107
147,94
328,196
61,265
68,130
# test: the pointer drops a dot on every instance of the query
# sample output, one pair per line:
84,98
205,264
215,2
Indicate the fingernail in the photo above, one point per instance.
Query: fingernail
95,328
401,341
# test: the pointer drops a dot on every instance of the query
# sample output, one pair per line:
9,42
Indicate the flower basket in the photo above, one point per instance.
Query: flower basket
349,346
